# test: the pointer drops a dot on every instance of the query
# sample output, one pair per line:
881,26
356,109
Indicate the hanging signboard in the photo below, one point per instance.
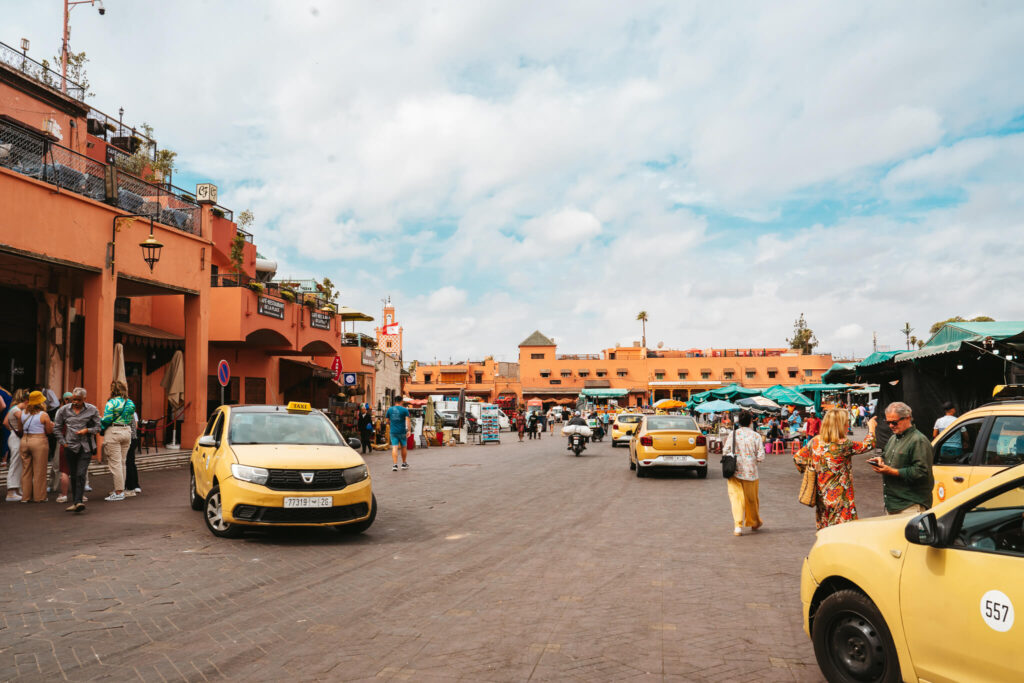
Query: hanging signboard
367,356
336,368
320,320
272,308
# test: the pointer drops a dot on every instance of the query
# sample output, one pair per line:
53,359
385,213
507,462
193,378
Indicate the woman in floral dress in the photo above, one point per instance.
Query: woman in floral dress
830,454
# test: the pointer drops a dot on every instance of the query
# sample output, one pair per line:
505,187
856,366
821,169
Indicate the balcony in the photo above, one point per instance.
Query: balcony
39,73
243,315
33,154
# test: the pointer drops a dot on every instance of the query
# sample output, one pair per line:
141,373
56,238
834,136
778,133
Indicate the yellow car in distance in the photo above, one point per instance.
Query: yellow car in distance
979,444
925,598
623,427
277,466
668,442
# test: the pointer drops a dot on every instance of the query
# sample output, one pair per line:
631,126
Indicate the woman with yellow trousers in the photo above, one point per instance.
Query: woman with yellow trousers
34,425
748,447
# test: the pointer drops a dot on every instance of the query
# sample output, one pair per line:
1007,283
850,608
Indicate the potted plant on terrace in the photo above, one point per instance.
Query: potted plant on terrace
257,287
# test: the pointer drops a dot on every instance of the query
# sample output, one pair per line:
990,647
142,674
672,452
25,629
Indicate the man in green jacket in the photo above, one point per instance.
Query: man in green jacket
906,464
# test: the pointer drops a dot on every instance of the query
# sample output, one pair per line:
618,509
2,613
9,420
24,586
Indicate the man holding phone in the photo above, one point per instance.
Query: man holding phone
906,464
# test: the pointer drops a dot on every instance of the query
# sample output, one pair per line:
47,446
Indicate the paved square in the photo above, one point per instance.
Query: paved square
502,562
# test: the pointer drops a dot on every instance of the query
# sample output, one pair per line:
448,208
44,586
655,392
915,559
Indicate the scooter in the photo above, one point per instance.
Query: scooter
578,443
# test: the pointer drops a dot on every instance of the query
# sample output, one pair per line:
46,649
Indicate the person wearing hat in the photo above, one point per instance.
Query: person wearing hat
35,448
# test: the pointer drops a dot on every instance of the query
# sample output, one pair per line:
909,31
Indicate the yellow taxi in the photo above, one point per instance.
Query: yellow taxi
924,598
668,442
277,466
623,426
977,445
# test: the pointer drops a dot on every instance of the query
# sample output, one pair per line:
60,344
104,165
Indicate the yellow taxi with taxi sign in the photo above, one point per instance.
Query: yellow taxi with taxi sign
277,466
623,427
926,598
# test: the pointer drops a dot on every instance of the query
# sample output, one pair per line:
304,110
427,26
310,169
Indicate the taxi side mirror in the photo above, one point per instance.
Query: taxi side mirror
923,530
207,441
354,443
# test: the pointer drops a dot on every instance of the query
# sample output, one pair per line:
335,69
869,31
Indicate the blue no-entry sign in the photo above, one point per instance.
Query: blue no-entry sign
223,373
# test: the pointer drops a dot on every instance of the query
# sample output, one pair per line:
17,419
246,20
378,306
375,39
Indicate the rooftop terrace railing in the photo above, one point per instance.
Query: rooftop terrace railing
33,69
40,158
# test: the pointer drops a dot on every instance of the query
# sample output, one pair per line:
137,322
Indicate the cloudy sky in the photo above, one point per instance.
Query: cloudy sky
499,167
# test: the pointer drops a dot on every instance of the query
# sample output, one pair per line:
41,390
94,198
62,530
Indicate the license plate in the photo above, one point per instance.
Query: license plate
308,502
675,458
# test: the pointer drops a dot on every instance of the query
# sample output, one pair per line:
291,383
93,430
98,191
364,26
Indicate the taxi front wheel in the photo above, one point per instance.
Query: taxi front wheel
214,516
195,501
360,527
852,642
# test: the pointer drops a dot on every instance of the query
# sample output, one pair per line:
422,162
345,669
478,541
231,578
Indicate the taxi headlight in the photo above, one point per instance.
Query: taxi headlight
255,475
354,475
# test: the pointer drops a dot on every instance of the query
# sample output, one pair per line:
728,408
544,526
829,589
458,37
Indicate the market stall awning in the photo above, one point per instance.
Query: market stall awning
317,371
877,358
604,393
822,387
548,391
786,396
840,372
348,314
734,391
144,335
952,337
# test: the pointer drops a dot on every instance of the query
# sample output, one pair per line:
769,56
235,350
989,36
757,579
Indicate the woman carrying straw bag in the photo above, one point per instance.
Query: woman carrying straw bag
829,455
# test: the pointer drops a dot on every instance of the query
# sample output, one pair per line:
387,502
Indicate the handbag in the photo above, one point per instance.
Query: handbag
808,487
729,461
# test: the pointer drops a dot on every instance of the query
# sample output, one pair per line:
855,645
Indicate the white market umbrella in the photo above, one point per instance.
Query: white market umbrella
118,370
174,384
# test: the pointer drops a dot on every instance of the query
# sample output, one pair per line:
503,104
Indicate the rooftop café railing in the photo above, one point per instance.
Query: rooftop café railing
35,70
275,289
38,157
108,125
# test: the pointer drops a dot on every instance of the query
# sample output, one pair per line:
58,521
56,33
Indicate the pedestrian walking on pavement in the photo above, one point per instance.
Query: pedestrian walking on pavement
520,426
34,427
117,437
77,425
905,464
748,448
131,471
12,423
829,454
401,423
365,425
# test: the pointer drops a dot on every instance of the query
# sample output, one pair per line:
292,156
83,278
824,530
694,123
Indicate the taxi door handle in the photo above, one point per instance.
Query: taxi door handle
958,480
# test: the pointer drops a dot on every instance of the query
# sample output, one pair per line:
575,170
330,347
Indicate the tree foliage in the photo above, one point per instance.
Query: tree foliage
958,319
245,219
803,338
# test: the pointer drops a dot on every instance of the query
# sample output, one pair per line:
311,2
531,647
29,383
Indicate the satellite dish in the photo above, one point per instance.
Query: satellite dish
660,344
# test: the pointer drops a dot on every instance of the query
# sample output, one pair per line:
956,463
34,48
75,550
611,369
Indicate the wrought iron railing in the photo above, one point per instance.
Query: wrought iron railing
36,71
107,125
275,289
40,158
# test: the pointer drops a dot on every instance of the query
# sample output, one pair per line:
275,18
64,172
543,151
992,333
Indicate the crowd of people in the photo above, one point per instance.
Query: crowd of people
905,465
49,444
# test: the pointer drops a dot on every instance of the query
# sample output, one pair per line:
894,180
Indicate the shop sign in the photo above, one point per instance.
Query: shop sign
320,320
272,308
367,356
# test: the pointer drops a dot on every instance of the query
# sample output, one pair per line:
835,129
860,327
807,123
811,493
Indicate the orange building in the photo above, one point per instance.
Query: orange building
487,379
632,375
74,229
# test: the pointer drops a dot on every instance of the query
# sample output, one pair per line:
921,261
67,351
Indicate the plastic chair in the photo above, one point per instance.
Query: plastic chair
778,446
795,446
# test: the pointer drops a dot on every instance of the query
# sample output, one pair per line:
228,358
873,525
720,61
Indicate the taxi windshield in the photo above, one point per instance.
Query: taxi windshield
311,429
671,422
628,419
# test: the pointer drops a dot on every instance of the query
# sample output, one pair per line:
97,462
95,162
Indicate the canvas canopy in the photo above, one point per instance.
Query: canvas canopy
604,393
786,396
734,391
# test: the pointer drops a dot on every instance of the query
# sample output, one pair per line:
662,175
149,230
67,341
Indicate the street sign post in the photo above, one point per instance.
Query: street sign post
223,376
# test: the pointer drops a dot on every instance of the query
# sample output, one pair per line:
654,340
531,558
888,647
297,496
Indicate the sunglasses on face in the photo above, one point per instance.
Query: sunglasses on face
895,422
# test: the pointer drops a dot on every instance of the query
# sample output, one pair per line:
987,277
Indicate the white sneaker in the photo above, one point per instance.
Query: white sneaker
13,497
88,488
129,493
738,531
138,490
62,499
115,496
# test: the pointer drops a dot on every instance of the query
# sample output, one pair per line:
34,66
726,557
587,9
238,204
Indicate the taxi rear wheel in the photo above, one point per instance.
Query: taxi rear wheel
214,516
195,501
640,474
852,642
632,465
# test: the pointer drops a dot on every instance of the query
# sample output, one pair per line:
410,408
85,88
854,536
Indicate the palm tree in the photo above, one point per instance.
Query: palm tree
642,317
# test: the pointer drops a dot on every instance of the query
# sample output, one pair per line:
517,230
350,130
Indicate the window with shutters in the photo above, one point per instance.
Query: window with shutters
255,390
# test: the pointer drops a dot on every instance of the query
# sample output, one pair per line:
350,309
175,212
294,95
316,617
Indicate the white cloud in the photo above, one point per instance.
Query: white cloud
446,299
499,167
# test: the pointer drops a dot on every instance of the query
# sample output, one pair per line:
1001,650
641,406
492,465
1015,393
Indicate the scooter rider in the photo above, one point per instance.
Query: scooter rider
598,428
576,420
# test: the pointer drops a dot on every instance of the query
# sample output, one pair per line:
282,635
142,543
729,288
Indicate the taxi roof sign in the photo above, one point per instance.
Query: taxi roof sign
299,407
